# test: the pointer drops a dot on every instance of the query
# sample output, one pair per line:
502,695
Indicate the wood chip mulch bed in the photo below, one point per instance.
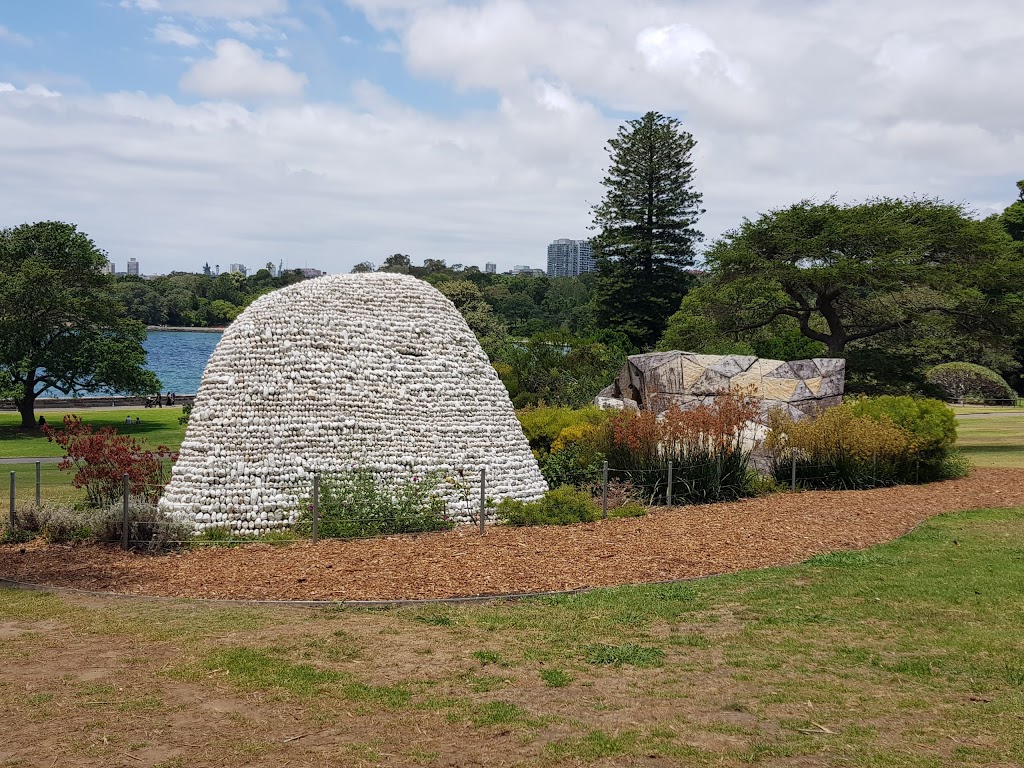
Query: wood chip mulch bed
677,543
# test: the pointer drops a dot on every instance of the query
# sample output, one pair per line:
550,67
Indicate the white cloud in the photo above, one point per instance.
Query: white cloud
786,101
681,49
251,31
10,36
33,89
216,9
172,34
238,71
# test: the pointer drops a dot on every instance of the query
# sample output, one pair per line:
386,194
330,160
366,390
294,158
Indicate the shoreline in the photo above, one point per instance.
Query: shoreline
178,329
112,401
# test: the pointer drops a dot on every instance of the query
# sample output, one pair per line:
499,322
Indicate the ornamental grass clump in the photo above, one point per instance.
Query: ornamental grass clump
357,504
706,444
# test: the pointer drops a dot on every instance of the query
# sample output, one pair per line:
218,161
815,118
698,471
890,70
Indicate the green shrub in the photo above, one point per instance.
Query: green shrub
631,509
562,506
866,442
967,382
542,425
355,504
929,422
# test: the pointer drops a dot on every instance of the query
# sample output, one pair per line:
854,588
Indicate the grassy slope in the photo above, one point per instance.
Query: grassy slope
159,427
908,654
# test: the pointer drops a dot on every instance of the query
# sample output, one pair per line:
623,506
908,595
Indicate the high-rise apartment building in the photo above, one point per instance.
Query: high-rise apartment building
569,258
133,266
109,268
238,269
491,268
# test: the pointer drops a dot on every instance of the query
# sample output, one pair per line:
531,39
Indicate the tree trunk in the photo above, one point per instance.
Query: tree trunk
26,404
837,345
27,409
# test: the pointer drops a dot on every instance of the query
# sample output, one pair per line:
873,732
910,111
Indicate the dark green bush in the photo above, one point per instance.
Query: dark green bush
355,504
967,382
562,506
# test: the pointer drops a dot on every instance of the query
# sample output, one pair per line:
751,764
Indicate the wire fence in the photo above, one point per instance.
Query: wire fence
1003,402
42,498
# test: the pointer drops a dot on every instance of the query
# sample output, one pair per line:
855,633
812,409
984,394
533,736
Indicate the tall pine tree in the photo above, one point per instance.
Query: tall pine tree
646,227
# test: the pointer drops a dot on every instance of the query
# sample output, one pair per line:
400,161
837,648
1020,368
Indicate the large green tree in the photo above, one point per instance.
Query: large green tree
845,273
1012,218
61,323
646,226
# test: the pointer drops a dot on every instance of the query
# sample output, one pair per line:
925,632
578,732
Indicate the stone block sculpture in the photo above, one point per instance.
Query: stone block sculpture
376,371
658,380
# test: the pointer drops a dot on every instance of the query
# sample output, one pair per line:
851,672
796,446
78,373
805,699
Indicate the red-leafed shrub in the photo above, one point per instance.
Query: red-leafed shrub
101,458
705,444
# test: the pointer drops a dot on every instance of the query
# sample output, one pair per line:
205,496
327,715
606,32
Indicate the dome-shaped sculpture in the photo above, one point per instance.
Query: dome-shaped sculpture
375,371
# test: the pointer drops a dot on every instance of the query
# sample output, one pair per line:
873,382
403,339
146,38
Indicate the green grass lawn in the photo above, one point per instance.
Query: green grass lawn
993,441
1001,409
906,655
54,484
159,427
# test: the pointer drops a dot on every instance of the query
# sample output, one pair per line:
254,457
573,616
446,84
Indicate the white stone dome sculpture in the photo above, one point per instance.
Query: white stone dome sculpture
376,371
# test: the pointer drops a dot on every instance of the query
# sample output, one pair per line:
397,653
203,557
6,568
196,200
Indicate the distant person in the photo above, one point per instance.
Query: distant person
127,419
42,422
138,420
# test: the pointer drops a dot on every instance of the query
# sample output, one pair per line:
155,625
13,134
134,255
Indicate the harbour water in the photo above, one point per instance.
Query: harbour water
176,357
179,357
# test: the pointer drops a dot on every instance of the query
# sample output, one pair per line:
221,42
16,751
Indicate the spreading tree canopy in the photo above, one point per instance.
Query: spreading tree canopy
646,227
843,273
62,325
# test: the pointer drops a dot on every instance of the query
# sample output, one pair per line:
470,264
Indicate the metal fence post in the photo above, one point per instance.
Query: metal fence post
792,481
668,491
38,483
604,491
124,515
316,507
14,521
483,500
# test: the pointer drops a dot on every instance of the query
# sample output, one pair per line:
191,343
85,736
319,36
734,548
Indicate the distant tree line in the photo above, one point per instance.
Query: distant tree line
895,286
193,300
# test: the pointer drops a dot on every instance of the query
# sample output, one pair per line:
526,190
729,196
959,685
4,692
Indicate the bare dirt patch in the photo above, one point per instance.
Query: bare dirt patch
676,543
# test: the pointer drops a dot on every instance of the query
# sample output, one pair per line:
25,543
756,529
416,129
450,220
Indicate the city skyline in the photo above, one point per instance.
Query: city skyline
333,134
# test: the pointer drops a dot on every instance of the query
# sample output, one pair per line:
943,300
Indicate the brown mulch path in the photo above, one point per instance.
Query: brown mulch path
676,543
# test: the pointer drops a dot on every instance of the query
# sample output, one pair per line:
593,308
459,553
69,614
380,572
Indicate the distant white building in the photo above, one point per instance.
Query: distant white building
238,269
491,268
109,268
310,272
570,258
133,266
522,269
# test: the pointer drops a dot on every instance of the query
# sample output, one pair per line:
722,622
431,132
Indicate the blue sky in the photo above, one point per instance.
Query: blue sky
325,132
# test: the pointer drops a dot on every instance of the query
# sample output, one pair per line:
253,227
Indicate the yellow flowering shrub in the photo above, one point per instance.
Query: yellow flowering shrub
839,431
